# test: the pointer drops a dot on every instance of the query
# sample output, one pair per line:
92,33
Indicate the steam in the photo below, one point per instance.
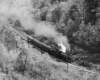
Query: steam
63,48
22,10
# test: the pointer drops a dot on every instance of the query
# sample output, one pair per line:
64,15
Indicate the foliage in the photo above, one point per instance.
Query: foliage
8,39
90,12
21,62
88,35
77,19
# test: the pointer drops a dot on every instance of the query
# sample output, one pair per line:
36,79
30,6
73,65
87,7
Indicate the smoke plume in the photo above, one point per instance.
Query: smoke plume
22,10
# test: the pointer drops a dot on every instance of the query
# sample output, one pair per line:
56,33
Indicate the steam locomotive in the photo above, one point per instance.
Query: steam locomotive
56,53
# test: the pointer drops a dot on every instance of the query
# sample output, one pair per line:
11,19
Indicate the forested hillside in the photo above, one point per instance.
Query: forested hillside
75,23
79,21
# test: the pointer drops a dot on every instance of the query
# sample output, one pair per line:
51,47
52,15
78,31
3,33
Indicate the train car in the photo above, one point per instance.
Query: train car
56,53
52,52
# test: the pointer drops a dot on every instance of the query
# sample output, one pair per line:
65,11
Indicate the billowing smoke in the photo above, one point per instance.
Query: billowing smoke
22,10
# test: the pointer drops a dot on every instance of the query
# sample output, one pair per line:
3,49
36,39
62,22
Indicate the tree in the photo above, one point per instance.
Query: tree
90,11
87,37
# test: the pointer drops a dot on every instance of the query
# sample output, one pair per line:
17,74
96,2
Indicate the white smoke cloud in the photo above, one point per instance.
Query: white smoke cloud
45,29
22,10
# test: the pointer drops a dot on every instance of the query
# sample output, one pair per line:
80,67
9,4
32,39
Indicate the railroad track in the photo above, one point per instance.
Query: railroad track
57,57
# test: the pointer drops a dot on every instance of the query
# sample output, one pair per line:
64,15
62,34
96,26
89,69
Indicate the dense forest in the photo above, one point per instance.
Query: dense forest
76,20
79,21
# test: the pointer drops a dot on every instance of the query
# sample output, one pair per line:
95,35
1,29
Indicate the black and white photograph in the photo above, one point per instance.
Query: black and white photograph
49,39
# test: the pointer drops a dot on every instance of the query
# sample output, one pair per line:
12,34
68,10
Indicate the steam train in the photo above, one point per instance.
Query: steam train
55,53
52,52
